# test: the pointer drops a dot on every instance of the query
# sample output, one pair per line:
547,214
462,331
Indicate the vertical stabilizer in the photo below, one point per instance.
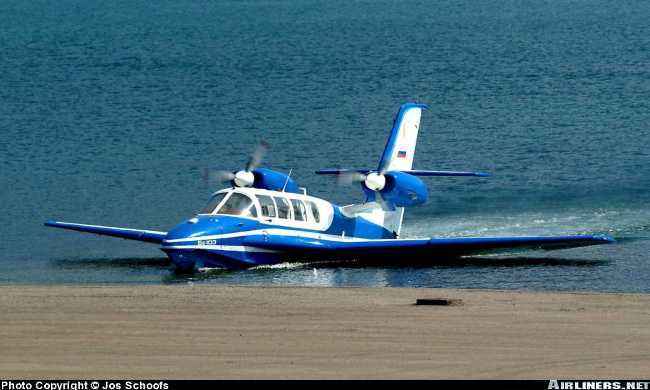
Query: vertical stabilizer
399,153
400,149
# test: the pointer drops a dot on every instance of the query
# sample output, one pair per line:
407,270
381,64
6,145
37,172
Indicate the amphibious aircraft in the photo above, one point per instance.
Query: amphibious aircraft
265,218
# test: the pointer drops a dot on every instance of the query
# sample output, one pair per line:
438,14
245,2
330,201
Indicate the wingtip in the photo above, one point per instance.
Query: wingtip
607,239
604,238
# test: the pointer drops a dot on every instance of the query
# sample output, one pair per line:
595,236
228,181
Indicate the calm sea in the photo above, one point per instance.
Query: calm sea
109,112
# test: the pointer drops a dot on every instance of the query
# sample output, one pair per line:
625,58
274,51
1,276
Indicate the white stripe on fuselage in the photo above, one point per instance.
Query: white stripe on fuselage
279,232
224,248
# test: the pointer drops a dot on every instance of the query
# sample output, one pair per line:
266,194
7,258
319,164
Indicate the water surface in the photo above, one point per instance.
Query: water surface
110,111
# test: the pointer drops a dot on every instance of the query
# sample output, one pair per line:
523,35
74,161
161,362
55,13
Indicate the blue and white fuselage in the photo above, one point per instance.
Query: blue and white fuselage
218,236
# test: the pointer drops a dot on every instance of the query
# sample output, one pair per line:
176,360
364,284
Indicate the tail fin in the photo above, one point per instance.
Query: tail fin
400,148
399,153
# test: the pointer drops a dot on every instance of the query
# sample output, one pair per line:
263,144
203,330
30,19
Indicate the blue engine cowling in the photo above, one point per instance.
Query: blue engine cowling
269,179
401,190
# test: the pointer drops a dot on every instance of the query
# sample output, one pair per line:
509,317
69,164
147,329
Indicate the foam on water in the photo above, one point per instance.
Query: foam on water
615,222
286,265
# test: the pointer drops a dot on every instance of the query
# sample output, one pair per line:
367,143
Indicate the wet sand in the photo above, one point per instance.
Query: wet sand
192,332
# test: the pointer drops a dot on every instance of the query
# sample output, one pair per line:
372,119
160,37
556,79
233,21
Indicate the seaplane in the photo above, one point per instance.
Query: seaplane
265,218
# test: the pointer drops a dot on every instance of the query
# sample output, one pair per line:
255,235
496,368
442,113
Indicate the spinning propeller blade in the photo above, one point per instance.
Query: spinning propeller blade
348,178
242,178
211,175
256,158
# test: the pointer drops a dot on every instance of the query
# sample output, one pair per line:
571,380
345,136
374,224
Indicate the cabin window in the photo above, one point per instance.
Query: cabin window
314,211
283,207
298,210
213,203
266,205
238,204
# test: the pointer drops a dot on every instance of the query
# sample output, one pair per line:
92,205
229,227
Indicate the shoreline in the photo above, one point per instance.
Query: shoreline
210,332
334,287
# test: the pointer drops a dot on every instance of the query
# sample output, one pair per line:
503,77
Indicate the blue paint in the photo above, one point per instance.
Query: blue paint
269,179
404,190
128,234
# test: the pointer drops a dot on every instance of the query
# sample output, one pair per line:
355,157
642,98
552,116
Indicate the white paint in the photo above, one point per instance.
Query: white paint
244,179
325,208
224,248
406,139
375,181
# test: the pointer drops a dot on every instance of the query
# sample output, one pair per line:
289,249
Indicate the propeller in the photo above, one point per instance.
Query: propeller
242,178
374,181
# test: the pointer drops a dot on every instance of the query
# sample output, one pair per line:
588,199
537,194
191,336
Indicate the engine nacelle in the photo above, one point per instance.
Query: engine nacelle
403,190
268,179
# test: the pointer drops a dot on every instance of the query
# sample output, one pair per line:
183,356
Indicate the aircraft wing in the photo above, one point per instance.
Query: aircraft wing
430,246
128,234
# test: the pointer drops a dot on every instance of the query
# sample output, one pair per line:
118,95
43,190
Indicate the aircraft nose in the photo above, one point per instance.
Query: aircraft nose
194,227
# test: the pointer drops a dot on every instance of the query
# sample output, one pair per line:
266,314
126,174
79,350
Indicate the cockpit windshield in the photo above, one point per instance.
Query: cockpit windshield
238,204
213,203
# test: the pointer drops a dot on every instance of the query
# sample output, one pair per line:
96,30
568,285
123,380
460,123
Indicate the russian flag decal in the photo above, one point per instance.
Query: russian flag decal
401,154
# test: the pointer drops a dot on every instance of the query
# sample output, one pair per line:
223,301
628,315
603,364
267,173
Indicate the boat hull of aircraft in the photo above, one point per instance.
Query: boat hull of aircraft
429,253
232,242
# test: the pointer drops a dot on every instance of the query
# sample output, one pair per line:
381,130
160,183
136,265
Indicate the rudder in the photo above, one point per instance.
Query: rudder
400,148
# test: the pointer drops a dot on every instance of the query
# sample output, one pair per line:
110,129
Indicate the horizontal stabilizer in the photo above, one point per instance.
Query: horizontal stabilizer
340,171
414,172
128,234
420,172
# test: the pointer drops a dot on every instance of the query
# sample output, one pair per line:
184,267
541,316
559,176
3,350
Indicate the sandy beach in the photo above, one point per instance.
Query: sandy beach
192,332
